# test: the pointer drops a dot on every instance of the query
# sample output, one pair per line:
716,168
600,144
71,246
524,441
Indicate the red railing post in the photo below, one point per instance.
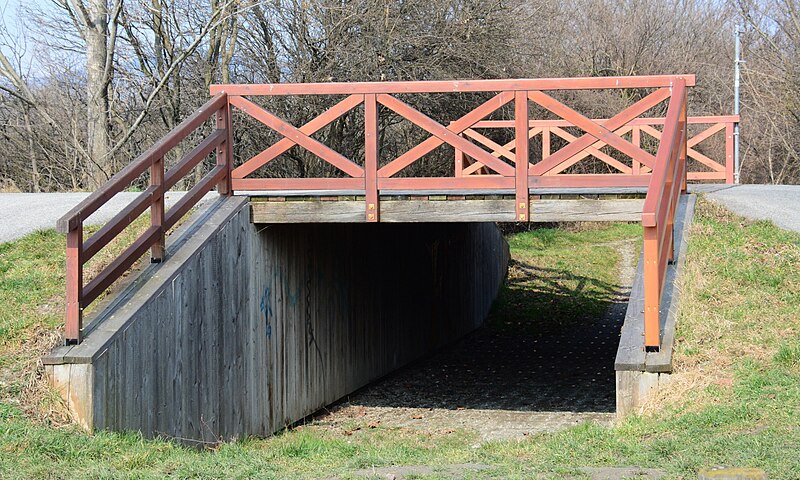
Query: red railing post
684,144
157,209
545,142
371,157
652,288
225,149
729,177
521,155
459,163
74,273
636,139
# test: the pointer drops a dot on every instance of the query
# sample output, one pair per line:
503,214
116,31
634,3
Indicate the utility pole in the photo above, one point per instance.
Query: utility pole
737,74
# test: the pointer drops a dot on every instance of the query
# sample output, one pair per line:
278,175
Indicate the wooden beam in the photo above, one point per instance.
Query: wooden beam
549,210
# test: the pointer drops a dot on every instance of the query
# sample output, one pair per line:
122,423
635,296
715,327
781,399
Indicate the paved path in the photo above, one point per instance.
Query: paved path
23,213
779,203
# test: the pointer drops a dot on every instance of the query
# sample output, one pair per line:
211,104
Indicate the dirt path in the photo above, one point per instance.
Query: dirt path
502,386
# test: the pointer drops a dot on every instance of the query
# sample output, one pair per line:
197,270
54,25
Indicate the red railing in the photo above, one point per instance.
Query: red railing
663,173
374,178
715,166
80,295
658,214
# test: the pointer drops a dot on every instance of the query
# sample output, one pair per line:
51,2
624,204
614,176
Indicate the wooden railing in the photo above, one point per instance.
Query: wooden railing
658,214
376,177
716,166
507,167
80,295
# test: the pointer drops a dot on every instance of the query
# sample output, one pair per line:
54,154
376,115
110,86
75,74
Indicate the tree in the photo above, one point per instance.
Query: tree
771,93
97,26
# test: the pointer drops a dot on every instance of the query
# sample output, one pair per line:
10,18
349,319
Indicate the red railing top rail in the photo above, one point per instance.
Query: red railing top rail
669,142
453,86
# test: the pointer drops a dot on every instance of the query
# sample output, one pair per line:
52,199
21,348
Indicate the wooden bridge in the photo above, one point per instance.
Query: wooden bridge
506,166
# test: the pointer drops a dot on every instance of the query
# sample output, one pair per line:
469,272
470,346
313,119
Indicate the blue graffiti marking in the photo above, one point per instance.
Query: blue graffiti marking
266,309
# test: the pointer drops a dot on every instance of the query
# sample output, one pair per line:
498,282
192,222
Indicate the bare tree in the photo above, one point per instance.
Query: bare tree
97,25
771,103
113,76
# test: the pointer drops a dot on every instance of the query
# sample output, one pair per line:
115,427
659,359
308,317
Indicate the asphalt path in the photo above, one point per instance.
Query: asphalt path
779,203
23,213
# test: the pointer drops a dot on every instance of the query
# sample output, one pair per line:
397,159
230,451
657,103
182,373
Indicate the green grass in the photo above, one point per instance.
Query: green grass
31,284
734,400
559,277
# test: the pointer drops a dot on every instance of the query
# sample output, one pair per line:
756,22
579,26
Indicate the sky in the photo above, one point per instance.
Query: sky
12,27
9,9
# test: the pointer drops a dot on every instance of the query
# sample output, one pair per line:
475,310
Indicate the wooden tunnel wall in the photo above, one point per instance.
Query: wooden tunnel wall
265,324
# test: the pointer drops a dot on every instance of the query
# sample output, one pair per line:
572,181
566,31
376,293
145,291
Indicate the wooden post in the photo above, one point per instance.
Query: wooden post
545,142
157,210
371,156
684,146
74,272
729,162
636,139
521,154
652,290
459,171
225,150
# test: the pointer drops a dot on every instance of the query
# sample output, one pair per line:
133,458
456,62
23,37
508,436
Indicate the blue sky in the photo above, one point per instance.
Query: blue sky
12,26
9,11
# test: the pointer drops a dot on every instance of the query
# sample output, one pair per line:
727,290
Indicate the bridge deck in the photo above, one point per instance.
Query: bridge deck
545,205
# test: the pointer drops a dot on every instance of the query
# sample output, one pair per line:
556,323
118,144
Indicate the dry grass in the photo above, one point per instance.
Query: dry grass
739,302
33,275
37,399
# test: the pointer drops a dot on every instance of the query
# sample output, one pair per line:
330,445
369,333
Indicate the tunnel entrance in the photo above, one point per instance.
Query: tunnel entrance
543,361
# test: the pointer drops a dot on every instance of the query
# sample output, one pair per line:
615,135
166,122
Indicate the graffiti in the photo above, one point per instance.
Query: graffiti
266,310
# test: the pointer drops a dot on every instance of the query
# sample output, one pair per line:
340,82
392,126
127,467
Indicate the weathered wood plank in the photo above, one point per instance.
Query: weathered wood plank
494,210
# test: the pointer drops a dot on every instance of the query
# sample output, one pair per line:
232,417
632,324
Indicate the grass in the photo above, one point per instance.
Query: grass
734,399
562,276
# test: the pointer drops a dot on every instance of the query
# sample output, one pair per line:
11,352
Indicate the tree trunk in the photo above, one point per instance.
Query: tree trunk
97,93
35,176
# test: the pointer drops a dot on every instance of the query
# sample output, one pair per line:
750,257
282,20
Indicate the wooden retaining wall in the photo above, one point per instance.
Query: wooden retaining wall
249,327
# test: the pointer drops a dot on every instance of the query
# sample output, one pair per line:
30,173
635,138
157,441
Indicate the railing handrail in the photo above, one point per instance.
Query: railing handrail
664,173
79,251
453,86
124,177
658,213
655,191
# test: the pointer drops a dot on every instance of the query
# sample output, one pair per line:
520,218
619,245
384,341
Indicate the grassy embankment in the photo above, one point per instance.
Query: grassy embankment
735,398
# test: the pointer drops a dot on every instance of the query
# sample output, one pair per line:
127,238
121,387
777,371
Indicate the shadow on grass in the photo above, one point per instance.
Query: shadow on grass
548,346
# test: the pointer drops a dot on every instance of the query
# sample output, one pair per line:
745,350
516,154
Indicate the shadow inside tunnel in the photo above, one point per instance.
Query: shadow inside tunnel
548,346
